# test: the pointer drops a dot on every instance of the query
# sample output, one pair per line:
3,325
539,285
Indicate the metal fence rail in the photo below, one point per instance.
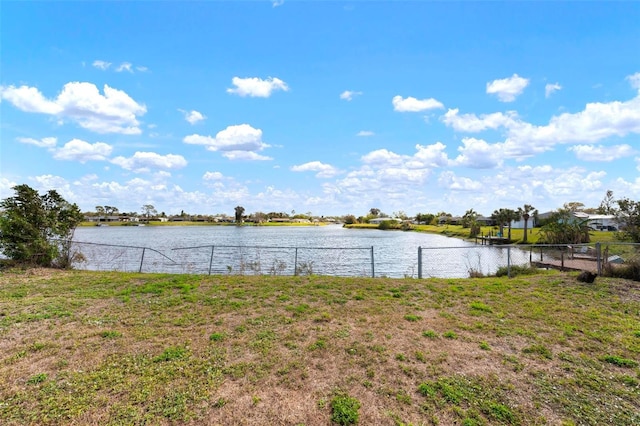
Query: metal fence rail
227,259
436,262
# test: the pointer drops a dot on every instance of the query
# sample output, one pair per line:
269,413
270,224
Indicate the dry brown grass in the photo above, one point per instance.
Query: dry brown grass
274,350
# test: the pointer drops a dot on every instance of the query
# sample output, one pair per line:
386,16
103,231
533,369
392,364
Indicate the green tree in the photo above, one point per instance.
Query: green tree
37,229
148,210
628,218
564,228
501,216
240,211
607,206
525,212
374,212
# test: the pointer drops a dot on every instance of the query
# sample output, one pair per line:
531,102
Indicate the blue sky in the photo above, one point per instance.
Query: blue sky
325,107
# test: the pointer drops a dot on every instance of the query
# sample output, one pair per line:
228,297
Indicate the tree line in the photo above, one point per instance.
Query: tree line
38,228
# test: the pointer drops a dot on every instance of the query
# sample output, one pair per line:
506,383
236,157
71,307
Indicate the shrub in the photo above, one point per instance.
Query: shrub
515,270
629,270
344,410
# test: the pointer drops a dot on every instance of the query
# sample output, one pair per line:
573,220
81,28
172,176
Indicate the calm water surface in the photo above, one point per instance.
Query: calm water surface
326,250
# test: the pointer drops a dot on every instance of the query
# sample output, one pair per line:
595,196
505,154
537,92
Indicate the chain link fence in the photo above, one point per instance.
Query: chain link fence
612,259
226,259
482,260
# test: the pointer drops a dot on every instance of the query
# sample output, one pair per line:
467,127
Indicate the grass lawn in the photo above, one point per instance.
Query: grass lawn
81,347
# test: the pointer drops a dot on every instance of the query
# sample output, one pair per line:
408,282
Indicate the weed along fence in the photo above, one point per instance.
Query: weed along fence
227,260
483,260
431,262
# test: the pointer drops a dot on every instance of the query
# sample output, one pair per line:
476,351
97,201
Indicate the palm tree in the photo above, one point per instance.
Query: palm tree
511,215
525,213
501,217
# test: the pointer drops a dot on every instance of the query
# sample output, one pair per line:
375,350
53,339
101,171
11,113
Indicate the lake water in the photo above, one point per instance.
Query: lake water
284,250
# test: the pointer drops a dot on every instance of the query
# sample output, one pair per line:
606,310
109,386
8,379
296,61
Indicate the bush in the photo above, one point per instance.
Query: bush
515,270
31,223
629,270
344,410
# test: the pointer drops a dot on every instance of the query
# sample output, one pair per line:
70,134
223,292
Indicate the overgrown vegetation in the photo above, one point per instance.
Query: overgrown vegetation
36,229
103,348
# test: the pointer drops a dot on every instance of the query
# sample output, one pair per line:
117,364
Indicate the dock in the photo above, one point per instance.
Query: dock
492,240
568,264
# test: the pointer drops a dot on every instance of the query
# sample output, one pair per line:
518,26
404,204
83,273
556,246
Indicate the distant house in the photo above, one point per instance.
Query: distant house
379,220
598,222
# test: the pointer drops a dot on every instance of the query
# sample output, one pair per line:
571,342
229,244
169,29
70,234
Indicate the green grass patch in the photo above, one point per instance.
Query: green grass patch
83,347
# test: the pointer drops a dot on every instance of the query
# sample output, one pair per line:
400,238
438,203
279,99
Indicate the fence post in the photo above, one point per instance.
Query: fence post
419,262
295,263
509,262
142,259
211,259
373,268
599,258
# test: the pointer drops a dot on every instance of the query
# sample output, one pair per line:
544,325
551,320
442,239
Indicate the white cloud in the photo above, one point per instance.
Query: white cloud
113,112
478,154
602,153
348,95
323,170
239,142
412,104
102,65
42,143
193,116
29,99
596,122
365,133
256,87
79,150
276,3
550,88
507,89
145,161
634,80
212,176
245,156
450,180
472,123
125,66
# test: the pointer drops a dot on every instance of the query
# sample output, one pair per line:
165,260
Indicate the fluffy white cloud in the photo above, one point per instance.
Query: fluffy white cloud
193,116
602,153
507,89
145,161
472,123
596,122
347,95
478,154
550,88
365,133
412,104
79,150
42,143
239,142
426,157
257,87
323,170
113,112
450,180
